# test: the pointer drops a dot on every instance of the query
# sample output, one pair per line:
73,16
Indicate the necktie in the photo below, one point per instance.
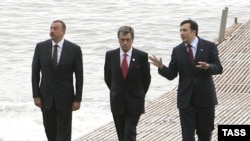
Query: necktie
124,66
54,57
190,54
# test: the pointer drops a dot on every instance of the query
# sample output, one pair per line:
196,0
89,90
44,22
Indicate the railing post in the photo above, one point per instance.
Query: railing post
235,20
223,25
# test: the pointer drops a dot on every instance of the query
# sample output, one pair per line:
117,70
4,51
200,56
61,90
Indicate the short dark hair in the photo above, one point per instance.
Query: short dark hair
63,24
193,25
125,30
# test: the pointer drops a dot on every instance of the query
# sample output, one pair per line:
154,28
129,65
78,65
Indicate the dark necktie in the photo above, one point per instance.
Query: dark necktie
54,57
190,54
124,66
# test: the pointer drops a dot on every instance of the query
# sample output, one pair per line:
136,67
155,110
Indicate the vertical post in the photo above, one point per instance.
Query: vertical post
223,25
235,20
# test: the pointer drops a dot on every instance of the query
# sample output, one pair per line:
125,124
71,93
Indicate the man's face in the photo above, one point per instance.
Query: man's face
187,35
56,31
125,41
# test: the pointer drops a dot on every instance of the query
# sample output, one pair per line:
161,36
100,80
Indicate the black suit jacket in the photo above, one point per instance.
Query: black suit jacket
127,94
194,81
56,86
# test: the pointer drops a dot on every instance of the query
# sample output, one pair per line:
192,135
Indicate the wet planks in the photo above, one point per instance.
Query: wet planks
161,120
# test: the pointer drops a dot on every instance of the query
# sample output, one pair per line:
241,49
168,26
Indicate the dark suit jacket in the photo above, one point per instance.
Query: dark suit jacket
194,81
127,94
57,85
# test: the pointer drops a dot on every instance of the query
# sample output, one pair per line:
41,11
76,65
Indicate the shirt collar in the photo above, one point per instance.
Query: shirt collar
60,44
194,43
129,53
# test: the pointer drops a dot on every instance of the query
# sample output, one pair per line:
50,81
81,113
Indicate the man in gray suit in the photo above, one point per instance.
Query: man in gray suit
57,59
195,60
127,75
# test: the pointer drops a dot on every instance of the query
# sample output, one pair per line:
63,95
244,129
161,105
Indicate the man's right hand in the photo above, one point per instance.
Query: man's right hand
38,102
155,61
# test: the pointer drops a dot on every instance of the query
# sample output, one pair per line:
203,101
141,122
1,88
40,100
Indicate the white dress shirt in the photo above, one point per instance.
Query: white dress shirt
129,53
59,49
194,45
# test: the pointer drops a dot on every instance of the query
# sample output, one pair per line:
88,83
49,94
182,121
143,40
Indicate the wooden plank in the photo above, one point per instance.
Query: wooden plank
161,120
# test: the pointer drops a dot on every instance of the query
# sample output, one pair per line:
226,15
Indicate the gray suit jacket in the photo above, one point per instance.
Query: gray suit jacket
56,86
193,81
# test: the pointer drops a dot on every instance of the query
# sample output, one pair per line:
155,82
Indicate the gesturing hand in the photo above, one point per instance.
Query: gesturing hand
202,65
155,61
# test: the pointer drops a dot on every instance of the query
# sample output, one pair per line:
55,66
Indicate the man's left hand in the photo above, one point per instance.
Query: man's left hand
76,106
202,65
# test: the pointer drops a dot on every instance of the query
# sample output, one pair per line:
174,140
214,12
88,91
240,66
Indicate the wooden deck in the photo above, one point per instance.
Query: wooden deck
161,120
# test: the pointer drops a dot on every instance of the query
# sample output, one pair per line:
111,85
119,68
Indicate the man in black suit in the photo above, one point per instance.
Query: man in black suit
127,75
196,98
57,59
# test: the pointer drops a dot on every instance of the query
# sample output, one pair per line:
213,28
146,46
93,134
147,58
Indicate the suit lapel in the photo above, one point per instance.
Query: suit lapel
199,51
117,62
132,60
64,51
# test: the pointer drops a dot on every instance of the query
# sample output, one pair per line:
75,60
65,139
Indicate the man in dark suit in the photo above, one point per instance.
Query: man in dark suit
57,60
196,98
127,75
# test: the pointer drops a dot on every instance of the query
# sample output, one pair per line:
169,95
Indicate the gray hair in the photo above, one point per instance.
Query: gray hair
125,30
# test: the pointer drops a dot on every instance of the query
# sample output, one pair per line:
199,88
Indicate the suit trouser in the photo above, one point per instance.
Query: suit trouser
126,126
196,118
57,124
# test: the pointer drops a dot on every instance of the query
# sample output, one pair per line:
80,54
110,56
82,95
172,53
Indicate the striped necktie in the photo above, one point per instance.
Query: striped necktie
190,54
54,56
